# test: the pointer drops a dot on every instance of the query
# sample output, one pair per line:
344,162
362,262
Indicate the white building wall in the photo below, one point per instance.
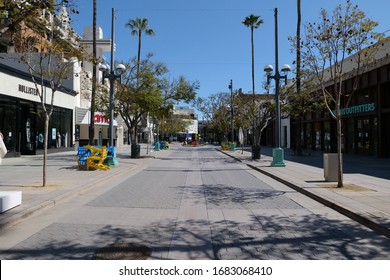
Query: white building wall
193,127
24,89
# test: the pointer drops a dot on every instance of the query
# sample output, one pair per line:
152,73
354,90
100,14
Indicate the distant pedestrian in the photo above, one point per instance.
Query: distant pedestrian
3,148
58,143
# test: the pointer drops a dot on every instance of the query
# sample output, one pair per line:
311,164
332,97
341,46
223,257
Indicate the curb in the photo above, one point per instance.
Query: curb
342,210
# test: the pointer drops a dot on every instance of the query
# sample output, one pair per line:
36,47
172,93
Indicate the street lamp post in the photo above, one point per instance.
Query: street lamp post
232,146
278,152
112,75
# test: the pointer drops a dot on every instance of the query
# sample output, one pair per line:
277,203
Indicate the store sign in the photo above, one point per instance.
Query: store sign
28,90
364,108
100,119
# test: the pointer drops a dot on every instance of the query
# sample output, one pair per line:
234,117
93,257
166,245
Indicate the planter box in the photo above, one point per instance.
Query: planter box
9,199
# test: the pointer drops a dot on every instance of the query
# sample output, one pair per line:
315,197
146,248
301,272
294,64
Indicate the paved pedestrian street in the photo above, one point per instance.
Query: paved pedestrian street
194,203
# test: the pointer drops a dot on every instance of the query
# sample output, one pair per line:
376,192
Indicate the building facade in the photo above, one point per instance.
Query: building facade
191,131
366,119
21,115
83,106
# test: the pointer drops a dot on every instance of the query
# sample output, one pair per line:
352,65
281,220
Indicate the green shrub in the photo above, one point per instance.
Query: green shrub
226,145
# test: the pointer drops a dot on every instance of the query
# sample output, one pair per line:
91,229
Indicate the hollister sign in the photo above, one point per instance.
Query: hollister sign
27,90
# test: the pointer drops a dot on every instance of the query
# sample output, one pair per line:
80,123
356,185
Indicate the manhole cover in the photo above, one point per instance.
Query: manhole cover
122,251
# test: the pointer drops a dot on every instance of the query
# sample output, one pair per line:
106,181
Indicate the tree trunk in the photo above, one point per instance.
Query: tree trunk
253,61
340,183
139,52
45,145
339,141
253,86
134,135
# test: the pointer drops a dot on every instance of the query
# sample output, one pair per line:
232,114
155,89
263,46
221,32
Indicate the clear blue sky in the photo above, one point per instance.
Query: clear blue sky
205,40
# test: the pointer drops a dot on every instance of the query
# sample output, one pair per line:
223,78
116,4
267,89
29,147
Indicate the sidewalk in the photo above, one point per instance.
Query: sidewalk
365,197
64,179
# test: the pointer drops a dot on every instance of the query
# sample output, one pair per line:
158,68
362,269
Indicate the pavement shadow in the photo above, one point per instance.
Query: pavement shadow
219,195
263,237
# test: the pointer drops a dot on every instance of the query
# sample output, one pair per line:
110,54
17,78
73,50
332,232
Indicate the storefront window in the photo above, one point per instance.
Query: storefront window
327,136
60,129
40,129
318,136
308,136
8,117
363,135
374,138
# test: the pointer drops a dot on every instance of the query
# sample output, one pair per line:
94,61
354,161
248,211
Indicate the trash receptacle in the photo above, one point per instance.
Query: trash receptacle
256,149
157,146
135,151
331,165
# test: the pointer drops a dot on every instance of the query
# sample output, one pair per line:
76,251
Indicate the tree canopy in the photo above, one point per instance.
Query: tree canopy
150,91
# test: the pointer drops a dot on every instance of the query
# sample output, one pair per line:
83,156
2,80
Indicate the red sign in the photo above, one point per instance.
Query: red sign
101,118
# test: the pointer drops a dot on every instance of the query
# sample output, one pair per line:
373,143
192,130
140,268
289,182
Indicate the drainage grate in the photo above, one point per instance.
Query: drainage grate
122,251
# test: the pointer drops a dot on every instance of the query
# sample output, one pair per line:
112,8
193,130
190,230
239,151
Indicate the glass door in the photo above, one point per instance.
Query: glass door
363,136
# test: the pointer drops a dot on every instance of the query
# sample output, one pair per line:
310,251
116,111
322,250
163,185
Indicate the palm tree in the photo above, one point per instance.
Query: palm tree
253,22
139,26
94,78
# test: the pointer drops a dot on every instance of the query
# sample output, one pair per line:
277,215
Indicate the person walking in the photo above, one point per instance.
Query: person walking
3,148
58,143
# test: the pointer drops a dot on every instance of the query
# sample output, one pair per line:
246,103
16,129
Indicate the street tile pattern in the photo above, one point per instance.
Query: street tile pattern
198,204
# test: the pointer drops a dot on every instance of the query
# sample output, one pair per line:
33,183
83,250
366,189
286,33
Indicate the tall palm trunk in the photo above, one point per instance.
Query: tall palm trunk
253,61
255,136
298,148
94,74
139,52
253,22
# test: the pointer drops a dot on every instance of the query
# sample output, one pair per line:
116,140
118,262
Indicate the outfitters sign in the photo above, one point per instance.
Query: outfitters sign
358,109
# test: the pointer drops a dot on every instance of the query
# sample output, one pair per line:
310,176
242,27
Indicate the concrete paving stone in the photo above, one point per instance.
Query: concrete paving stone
368,200
236,219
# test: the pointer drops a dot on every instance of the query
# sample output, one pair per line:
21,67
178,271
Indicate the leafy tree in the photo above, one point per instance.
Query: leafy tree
346,33
22,15
171,124
139,93
263,110
215,112
149,91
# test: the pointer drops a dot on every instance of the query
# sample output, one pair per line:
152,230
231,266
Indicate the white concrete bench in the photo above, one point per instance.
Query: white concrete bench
9,199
